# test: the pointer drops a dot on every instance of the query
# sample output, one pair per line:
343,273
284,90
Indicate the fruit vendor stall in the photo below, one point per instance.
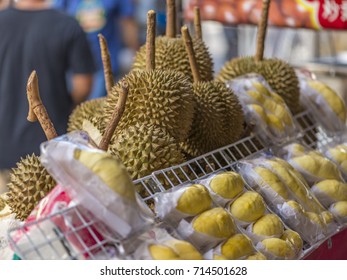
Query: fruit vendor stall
175,164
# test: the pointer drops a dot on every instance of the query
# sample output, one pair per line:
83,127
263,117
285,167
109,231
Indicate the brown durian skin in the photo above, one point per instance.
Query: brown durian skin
91,110
218,119
279,74
171,54
145,148
163,98
29,183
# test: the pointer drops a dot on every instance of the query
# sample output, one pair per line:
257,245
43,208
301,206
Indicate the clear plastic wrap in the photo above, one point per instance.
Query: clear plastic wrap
327,107
264,108
337,152
183,201
97,181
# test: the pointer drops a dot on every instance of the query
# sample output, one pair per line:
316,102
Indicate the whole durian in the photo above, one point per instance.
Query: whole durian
144,148
29,183
170,52
218,119
249,207
279,74
268,225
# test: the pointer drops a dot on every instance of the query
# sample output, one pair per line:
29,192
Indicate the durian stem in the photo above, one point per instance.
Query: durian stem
150,41
190,50
197,23
262,31
171,18
115,118
37,111
106,62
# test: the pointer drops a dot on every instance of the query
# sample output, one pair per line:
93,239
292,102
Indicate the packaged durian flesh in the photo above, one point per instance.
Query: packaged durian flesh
224,186
277,249
264,108
326,105
208,229
97,180
237,247
161,242
337,152
184,201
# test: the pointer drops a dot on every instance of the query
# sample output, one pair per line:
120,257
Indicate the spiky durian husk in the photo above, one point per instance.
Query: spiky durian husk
218,119
87,110
279,74
171,54
29,183
2,204
160,97
144,148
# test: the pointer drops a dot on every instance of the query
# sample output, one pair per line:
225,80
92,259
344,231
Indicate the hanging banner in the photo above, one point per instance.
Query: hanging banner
313,14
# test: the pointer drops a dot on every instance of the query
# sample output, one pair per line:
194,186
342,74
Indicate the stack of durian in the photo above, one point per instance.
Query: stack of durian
264,108
288,195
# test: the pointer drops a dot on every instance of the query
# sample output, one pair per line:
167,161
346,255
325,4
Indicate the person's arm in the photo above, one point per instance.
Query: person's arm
81,87
130,32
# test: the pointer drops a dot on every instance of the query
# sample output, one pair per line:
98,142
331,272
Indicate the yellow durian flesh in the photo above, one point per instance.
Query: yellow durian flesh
331,97
339,209
275,123
279,248
268,225
184,249
295,149
327,217
256,96
194,200
339,155
294,238
228,184
296,206
249,207
315,218
215,222
330,191
259,111
271,179
161,252
237,247
257,256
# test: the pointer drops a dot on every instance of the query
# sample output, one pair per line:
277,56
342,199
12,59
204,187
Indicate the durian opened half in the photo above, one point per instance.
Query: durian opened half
330,191
249,207
227,184
216,223
237,247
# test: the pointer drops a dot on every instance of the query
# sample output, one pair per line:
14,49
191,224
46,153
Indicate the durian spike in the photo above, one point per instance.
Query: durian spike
37,110
106,62
115,118
190,50
262,31
197,23
171,18
150,41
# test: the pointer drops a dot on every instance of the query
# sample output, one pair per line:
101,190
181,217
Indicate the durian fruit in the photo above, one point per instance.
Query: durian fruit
313,166
2,204
30,181
327,217
237,247
216,223
184,249
330,191
275,123
218,119
294,238
170,51
194,200
256,96
279,248
257,257
338,154
158,96
227,184
249,207
316,219
145,148
279,74
339,209
270,179
162,252
333,100
258,110
268,225
295,206
294,150
110,170
264,90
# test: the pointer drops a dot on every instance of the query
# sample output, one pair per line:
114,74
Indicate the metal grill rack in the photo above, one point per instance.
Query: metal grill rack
57,244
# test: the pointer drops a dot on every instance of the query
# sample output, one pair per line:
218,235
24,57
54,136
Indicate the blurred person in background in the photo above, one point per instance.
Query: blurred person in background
4,4
35,37
115,19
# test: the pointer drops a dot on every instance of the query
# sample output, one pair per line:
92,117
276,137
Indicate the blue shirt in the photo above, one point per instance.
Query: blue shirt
100,16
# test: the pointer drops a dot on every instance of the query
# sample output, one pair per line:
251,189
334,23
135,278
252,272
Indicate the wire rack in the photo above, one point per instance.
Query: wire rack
54,242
